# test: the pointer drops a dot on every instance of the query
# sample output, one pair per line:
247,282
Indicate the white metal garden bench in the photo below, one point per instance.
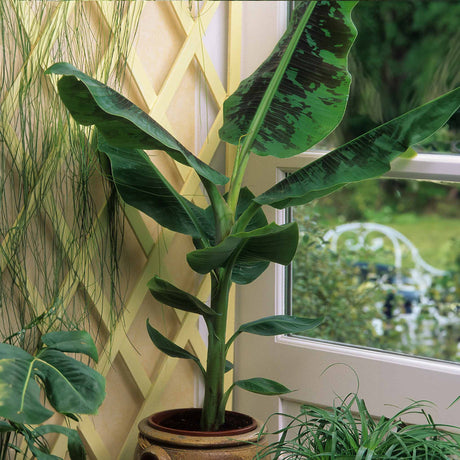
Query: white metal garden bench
371,236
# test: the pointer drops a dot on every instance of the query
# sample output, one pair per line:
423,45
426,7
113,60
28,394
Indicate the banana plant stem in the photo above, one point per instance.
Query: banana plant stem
213,415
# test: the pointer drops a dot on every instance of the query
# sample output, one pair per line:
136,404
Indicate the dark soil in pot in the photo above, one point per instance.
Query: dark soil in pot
187,421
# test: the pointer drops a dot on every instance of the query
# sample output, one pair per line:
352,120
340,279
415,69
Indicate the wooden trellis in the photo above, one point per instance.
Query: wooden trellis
155,245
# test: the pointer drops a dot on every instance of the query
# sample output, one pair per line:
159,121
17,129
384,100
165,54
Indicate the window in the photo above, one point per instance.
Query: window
380,262
390,280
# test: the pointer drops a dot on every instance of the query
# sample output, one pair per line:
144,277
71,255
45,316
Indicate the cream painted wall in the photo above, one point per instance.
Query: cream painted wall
264,22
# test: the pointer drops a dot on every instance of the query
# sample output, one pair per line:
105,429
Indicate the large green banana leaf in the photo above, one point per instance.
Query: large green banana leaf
276,325
262,386
141,185
70,386
279,324
122,123
307,77
365,157
274,243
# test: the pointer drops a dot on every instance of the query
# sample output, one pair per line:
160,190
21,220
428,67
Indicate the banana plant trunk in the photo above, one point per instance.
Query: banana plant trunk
213,414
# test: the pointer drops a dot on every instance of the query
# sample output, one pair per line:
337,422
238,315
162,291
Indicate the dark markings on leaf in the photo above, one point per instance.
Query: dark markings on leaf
303,76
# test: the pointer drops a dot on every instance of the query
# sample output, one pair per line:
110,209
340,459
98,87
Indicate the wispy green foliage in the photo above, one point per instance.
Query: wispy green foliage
48,197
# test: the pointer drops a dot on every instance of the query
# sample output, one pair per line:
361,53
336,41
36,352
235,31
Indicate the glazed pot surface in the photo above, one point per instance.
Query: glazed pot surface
157,442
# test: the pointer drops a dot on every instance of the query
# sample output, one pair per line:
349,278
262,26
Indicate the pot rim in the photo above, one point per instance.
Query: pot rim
154,421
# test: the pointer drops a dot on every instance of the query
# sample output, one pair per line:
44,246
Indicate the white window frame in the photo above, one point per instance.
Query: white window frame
425,166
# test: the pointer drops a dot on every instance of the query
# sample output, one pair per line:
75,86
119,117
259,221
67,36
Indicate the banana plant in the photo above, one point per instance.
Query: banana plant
71,387
292,101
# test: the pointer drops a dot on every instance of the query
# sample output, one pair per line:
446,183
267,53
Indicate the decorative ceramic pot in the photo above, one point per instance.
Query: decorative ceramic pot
159,439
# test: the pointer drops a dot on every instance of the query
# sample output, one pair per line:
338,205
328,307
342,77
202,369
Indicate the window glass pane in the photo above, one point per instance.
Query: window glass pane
406,53
390,280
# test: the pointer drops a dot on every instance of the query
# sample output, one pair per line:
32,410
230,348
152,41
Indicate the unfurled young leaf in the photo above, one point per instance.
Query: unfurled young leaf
247,270
274,243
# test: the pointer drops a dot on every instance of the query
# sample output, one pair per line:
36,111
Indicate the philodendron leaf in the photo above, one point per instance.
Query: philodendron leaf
19,392
72,342
262,386
121,122
141,185
71,386
170,295
170,348
74,443
365,157
279,324
308,69
274,243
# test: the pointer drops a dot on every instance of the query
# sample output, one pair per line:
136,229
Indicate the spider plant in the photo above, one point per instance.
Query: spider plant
349,432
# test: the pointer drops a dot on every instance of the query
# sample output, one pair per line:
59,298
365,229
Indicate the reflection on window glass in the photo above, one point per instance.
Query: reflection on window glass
406,53
380,261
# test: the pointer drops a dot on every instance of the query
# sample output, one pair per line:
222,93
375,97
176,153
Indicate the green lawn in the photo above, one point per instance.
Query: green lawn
433,236
436,238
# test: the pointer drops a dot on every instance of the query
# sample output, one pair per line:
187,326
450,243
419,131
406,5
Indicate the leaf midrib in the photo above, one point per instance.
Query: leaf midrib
29,377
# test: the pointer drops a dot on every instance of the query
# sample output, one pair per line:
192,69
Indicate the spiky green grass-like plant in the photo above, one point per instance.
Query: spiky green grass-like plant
349,432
